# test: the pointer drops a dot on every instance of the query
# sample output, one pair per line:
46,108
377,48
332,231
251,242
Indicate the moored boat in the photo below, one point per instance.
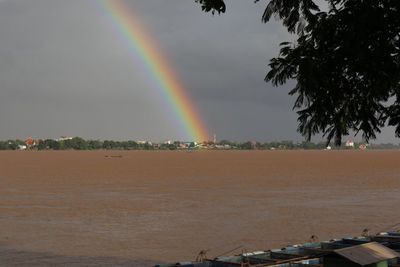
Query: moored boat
379,250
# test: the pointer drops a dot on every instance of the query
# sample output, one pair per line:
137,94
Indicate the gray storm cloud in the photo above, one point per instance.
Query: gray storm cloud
64,70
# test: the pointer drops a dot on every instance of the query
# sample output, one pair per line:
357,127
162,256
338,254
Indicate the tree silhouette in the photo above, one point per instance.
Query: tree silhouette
345,61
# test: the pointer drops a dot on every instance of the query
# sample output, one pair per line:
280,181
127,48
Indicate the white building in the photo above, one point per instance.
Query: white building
63,138
22,147
349,144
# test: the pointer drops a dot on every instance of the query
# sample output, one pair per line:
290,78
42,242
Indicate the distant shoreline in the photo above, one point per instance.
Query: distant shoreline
78,143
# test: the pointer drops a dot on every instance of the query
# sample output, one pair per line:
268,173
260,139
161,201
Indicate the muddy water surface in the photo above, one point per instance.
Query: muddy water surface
108,208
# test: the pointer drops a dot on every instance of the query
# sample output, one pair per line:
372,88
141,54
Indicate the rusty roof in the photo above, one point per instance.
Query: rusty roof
368,253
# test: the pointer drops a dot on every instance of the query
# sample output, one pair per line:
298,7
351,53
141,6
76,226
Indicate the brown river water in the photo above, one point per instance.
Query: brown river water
137,208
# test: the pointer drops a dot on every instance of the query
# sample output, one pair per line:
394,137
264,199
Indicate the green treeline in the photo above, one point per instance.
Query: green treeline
11,144
78,143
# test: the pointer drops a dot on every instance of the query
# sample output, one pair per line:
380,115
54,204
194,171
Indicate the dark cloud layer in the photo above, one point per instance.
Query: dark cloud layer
65,71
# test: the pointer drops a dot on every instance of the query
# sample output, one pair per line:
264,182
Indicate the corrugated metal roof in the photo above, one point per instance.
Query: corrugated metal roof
367,253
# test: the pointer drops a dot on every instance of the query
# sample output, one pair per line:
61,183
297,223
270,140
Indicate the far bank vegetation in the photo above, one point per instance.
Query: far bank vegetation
78,143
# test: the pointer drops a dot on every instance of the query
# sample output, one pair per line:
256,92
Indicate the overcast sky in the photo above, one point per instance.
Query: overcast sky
65,71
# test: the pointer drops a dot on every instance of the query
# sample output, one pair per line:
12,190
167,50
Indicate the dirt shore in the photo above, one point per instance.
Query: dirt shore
134,208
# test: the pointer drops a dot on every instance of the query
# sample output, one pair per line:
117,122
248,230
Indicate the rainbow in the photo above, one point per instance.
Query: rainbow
160,72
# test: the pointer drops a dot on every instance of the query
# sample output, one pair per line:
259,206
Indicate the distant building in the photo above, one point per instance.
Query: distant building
30,142
362,146
22,147
141,142
63,138
226,146
349,144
